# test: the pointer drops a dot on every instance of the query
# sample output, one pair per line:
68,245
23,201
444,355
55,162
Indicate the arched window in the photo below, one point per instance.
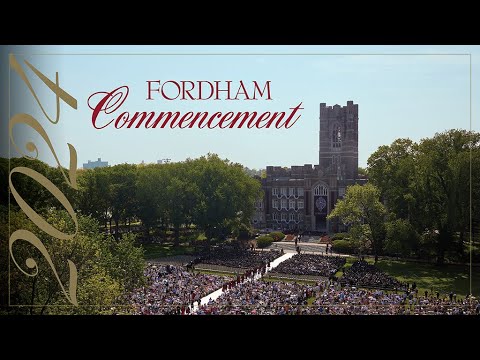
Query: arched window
320,190
336,136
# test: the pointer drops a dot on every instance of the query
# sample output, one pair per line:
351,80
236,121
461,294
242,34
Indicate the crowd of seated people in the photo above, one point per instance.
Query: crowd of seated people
348,300
364,274
308,264
332,298
172,290
258,297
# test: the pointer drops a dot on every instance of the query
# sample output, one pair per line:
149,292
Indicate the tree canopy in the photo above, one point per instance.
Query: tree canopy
215,195
362,211
107,269
428,184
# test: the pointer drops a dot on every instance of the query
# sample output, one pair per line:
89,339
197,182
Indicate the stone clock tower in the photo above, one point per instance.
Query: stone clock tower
338,153
300,198
338,158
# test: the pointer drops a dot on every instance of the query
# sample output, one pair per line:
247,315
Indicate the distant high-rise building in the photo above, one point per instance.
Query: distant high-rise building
163,161
95,164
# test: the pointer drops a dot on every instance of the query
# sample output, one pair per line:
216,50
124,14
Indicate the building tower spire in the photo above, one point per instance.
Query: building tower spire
338,149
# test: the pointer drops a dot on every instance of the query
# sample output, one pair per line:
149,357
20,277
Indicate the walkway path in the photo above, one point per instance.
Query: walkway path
214,295
305,248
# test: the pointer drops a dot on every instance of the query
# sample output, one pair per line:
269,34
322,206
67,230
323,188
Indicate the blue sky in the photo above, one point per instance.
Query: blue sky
411,96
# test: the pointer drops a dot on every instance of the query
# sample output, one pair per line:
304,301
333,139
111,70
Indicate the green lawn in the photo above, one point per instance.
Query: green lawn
153,251
350,261
429,276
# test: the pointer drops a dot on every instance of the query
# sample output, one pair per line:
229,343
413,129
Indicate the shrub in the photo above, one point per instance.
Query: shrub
241,231
344,246
277,235
339,236
264,241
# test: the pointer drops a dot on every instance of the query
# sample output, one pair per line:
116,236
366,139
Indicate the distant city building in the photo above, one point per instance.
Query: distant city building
163,161
95,164
301,197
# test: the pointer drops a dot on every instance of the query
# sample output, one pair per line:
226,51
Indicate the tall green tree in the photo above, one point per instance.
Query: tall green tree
151,185
428,184
122,188
401,238
30,190
362,211
444,176
181,194
226,192
94,197
107,269
392,170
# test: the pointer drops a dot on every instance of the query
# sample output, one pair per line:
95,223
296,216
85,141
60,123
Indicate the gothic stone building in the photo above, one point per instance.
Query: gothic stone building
301,197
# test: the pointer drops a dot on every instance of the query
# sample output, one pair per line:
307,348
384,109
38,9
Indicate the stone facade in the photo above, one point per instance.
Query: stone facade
301,197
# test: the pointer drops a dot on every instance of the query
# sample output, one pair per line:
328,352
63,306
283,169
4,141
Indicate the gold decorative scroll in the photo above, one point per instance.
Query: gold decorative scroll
71,180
